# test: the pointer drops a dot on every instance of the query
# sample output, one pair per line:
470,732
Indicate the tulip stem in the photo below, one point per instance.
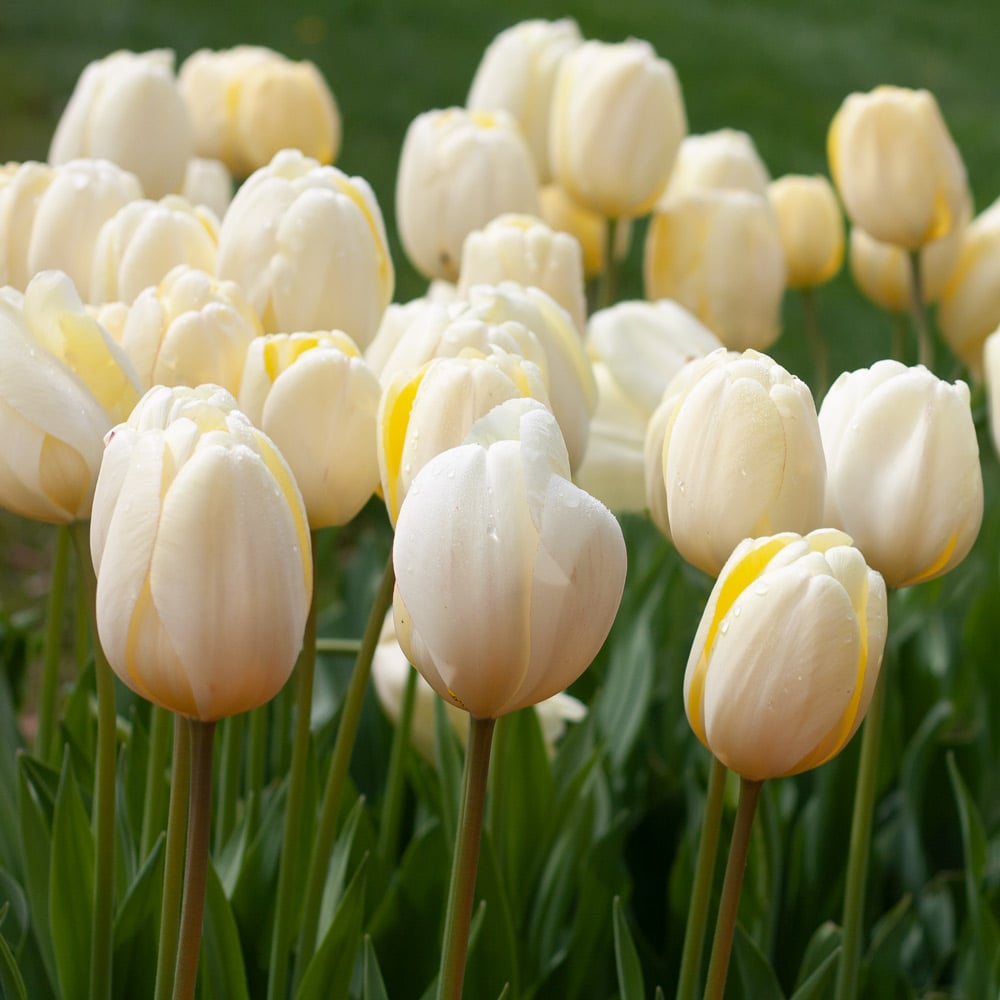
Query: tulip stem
156,762
466,859
336,775
45,746
725,927
284,915
701,890
338,647
861,831
230,766
820,353
202,735
392,806
103,815
256,766
925,345
609,275
173,865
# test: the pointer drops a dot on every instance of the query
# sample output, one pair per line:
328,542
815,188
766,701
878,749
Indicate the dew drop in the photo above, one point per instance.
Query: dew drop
760,589
736,611
724,627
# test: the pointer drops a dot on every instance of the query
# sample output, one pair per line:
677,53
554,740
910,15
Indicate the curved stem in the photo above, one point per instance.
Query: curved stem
173,864
925,345
103,816
725,926
156,762
820,353
701,890
392,806
45,746
202,735
284,917
337,773
861,832
466,860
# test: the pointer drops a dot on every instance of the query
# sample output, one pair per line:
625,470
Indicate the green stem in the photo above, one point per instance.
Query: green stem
861,831
609,276
173,865
284,918
392,806
466,860
156,763
329,810
103,816
45,744
918,310
338,647
256,766
701,890
820,353
202,735
725,926
230,768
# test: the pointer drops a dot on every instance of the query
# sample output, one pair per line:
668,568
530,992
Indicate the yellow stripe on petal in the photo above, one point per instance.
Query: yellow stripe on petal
937,567
398,404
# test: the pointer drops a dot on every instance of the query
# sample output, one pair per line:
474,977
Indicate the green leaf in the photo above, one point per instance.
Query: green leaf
221,970
372,984
882,968
136,929
449,758
631,985
14,913
754,970
331,968
815,985
826,940
336,872
11,982
71,887
10,854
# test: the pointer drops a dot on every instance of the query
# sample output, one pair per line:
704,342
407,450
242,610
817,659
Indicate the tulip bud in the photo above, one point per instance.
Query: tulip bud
208,182
201,548
903,473
564,215
317,400
725,159
127,108
144,240
787,654
521,248
741,456
719,254
391,671
991,373
810,226
308,246
896,167
457,171
63,384
249,103
528,605
190,329
517,74
50,217
970,303
617,119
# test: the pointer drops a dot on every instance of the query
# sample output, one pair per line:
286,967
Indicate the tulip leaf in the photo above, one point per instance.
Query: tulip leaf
336,871
14,913
631,984
330,970
11,981
814,987
448,757
826,940
221,970
753,969
71,887
882,968
10,855
136,928
372,983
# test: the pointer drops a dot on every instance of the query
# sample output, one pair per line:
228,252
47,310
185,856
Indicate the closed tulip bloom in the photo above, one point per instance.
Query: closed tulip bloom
308,246
458,170
969,310
248,103
811,228
724,159
528,605
317,400
991,373
430,410
617,120
719,254
64,384
190,329
787,654
127,108
742,456
50,217
208,183
144,240
561,213
897,169
903,473
201,547
517,74
524,249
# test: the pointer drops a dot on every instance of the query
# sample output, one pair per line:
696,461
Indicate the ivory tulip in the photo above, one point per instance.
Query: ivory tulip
903,473
810,226
209,183
991,374
317,400
64,383
201,547
561,213
787,654
717,160
508,576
